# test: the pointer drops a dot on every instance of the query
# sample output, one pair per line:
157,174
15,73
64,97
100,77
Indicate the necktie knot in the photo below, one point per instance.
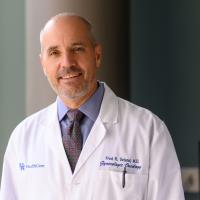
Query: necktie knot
74,115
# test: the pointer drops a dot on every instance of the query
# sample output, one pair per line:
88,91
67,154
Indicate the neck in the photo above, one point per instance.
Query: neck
76,103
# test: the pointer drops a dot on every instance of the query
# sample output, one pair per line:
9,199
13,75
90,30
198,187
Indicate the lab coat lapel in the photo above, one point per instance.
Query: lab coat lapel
93,141
107,117
54,139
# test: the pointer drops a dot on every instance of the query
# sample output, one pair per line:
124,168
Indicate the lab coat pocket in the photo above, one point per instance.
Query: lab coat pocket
121,186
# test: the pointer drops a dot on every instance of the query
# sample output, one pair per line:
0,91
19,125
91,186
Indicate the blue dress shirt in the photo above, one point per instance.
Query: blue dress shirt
90,109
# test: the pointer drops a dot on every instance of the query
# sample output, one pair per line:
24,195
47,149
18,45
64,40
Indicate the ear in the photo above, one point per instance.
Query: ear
41,61
98,54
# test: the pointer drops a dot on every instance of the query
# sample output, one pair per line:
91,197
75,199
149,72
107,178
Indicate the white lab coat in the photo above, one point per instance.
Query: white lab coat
36,168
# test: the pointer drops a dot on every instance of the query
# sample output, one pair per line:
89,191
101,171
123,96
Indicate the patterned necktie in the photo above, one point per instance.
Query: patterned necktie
72,139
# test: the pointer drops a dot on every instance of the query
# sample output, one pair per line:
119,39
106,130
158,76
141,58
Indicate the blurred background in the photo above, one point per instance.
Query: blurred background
150,57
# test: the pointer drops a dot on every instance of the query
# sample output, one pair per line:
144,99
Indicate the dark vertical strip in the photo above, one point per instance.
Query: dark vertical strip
199,166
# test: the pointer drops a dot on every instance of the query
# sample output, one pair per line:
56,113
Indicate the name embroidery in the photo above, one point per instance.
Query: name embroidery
120,163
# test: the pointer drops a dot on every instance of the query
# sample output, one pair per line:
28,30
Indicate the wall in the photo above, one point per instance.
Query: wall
12,68
165,69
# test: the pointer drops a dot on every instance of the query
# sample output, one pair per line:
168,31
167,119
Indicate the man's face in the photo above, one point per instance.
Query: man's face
70,58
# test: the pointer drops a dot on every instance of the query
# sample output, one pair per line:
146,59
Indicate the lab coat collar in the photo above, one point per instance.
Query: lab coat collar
108,111
109,108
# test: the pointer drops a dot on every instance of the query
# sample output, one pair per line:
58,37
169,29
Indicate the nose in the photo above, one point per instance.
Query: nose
68,60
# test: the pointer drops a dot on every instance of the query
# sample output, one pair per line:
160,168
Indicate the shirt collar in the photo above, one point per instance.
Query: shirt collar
90,108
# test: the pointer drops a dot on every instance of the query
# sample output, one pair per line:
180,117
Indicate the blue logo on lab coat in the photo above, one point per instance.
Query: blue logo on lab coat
22,166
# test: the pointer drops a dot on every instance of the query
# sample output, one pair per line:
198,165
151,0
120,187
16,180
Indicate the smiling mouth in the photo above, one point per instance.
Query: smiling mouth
71,76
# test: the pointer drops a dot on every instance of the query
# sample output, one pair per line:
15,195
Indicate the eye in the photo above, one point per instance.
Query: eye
54,53
78,49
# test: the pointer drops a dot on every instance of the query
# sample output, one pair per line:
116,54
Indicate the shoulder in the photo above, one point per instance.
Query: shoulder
129,108
40,116
29,125
149,126
137,113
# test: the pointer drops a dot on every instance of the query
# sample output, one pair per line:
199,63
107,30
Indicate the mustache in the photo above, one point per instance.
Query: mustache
68,70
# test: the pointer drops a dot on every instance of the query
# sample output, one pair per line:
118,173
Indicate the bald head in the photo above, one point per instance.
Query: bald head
70,19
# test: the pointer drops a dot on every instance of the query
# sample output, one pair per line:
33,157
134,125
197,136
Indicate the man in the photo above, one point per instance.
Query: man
89,144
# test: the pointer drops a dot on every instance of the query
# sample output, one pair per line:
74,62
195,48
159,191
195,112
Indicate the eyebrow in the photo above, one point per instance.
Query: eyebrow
78,44
53,48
